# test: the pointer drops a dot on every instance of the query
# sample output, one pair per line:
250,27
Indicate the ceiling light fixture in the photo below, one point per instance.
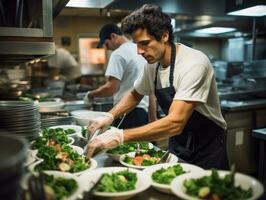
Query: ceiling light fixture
254,11
215,30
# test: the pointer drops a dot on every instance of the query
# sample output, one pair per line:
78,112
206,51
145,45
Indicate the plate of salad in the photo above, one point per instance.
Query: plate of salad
218,185
62,158
61,185
145,158
51,137
161,175
125,148
115,182
69,130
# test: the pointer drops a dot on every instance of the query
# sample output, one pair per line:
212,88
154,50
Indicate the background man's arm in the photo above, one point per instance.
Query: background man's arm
126,104
111,86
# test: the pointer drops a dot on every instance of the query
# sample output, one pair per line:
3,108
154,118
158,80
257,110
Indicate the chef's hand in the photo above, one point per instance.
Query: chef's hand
87,98
109,139
101,122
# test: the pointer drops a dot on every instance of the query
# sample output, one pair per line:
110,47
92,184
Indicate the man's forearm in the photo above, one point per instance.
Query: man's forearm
160,129
126,104
102,91
172,124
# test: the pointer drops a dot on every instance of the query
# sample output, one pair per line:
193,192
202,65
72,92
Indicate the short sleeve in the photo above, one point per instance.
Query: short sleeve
116,66
195,84
142,84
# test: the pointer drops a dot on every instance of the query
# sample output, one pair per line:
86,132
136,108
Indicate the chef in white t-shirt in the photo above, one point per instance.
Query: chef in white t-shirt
124,66
183,82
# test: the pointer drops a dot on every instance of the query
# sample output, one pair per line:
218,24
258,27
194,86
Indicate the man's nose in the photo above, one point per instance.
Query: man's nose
140,51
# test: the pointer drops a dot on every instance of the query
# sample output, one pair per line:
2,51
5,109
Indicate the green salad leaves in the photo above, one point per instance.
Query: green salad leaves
51,137
216,187
128,147
62,158
117,182
166,175
59,188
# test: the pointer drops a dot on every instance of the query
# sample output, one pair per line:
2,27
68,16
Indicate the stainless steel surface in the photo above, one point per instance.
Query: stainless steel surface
47,18
22,32
243,105
260,133
26,48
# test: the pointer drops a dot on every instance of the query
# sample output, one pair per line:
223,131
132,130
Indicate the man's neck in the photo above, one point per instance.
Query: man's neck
166,59
122,40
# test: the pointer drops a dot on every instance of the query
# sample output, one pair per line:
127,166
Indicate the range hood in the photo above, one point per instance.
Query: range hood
26,29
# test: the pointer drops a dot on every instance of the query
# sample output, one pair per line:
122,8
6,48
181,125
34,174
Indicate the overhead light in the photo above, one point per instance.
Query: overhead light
88,3
254,11
215,30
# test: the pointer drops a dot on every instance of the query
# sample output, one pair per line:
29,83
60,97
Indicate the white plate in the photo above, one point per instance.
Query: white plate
49,106
92,166
116,157
79,192
243,180
86,117
188,168
89,178
76,128
172,159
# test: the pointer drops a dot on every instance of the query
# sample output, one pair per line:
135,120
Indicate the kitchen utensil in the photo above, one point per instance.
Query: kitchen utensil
164,158
121,120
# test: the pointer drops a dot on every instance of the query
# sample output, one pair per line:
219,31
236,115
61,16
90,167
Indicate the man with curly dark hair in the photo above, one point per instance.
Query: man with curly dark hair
183,82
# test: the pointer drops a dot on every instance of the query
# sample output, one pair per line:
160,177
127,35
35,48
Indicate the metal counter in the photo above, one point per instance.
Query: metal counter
242,105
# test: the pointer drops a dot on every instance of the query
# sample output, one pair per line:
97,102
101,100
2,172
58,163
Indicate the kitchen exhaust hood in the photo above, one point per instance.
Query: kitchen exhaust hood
26,29
252,8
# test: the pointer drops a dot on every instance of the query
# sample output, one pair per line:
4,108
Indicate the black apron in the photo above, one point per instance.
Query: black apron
202,142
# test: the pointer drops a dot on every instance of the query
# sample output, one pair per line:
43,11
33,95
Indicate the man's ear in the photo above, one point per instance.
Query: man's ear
165,36
112,35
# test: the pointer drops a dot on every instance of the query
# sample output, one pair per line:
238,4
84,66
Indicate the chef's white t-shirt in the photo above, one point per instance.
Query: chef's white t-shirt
126,65
193,81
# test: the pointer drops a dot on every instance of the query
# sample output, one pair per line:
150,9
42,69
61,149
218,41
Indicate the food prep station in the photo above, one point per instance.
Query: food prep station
36,97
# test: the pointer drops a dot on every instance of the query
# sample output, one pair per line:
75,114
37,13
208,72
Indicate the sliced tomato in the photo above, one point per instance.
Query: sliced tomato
215,197
138,160
146,156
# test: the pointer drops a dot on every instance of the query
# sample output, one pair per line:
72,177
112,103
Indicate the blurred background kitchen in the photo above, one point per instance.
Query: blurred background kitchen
48,49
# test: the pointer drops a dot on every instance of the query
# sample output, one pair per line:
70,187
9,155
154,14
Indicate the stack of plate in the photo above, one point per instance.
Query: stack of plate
13,155
55,119
20,118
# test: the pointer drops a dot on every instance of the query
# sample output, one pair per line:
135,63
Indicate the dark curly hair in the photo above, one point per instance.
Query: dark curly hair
151,18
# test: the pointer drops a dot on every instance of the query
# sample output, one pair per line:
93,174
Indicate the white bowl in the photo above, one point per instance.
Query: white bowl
242,180
172,159
86,117
76,128
50,106
116,157
92,166
91,177
78,194
188,168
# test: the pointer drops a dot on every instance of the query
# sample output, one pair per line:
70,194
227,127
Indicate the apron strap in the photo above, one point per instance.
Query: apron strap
172,67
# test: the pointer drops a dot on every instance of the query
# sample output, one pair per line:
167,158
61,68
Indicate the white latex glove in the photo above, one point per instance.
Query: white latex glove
109,139
101,122
87,99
